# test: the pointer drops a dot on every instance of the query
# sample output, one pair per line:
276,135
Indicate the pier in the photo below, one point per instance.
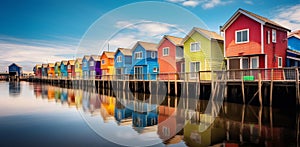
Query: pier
277,87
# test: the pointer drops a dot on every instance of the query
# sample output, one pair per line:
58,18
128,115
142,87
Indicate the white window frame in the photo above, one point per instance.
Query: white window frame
102,61
91,63
274,36
153,55
138,55
252,63
192,43
119,59
269,37
280,58
155,69
248,38
165,49
193,75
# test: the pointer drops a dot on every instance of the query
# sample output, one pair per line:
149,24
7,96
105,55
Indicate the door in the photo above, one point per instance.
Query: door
254,64
138,71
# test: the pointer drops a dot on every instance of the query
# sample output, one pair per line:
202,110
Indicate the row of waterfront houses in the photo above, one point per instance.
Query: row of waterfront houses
249,41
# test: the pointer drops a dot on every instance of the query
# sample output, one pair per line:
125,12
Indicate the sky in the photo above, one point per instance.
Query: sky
44,31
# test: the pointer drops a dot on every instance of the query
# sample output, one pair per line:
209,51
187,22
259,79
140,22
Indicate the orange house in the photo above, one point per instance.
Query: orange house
50,70
170,57
107,63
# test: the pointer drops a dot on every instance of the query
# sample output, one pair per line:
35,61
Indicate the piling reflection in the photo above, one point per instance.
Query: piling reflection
235,124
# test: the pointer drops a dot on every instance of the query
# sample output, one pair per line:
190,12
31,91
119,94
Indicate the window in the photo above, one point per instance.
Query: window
195,46
155,69
195,67
274,36
245,63
91,63
103,62
254,62
138,55
153,55
69,66
242,36
166,51
269,37
119,59
85,64
279,62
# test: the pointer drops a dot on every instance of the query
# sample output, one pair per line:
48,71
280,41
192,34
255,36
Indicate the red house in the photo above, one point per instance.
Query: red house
71,69
170,57
252,41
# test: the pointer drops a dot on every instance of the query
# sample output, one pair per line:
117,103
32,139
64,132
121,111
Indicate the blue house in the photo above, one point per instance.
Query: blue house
293,51
64,69
144,60
143,117
44,70
85,67
14,70
122,62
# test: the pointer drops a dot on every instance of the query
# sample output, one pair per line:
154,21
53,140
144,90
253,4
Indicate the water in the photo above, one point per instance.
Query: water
34,114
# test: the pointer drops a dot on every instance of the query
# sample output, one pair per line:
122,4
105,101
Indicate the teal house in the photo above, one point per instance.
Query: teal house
85,67
144,60
64,69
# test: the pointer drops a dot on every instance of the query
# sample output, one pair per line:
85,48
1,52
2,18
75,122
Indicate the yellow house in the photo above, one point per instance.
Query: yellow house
78,68
203,51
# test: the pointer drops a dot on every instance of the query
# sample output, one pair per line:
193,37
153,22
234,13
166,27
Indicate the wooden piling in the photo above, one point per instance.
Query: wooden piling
297,87
259,89
243,88
271,87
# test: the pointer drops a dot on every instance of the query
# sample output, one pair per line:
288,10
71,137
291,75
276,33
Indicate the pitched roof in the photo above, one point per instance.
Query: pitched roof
38,66
71,62
78,60
206,33
147,45
86,57
256,17
175,40
15,64
109,54
57,63
295,34
51,64
64,62
44,65
125,51
95,57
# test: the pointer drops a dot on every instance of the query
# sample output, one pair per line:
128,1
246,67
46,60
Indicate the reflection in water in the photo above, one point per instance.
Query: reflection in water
235,125
14,88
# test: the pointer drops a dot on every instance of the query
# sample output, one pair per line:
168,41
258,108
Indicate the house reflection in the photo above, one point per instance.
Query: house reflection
123,112
78,98
44,91
94,103
37,89
14,88
64,96
71,97
107,108
86,101
51,93
57,94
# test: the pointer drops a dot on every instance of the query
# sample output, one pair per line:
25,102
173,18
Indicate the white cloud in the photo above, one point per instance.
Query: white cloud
288,17
249,2
205,4
191,3
32,52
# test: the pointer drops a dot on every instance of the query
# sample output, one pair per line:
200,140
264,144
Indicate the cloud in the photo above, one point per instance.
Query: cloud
15,50
288,17
249,2
191,3
205,4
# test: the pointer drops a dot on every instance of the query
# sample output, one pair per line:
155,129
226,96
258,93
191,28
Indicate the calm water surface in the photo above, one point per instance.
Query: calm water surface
33,114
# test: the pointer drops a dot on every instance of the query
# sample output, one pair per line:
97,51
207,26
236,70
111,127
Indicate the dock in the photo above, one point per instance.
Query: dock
263,87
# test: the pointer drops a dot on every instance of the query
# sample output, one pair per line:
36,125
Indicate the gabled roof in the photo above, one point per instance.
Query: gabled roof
71,62
295,34
258,18
50,64
109,55
38,66
125,51
177,41
44,65
86,57
78,60
57,63
146,45
15,65
64,62
206,33
95,57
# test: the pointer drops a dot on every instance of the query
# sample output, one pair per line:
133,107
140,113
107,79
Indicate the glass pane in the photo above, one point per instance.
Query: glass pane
245,36
238,37
254,63
245,64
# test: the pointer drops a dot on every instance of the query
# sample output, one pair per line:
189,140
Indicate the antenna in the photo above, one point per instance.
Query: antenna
108,46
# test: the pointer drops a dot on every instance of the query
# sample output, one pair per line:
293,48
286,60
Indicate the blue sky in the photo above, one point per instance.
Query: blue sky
40,31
